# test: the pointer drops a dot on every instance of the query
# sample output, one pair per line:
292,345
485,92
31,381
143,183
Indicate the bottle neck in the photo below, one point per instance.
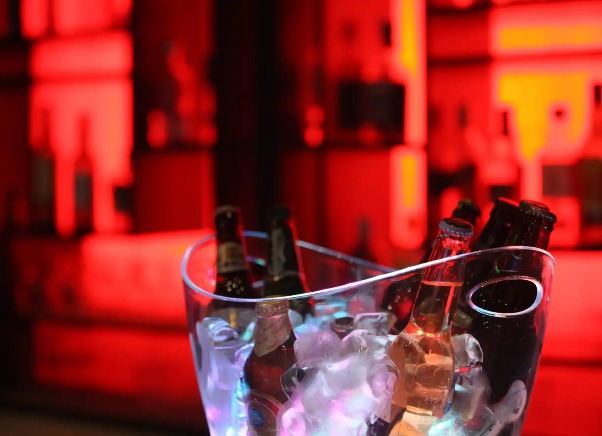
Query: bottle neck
283,256
437,296
271,332
231,251
530,232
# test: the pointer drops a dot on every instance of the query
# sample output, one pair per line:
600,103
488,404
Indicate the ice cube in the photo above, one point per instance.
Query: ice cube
470,392
511,407
306,328
342,326
361,341
238,318
295,377
314,349
217,329
489,421
467,351
383,378
325,311
361,302
293,420
375,322
295,317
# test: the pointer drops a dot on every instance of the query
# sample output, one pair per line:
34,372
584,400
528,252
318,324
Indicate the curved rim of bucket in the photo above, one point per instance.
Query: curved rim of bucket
388,273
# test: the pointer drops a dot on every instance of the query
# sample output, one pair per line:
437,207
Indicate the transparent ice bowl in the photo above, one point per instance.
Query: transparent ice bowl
344,286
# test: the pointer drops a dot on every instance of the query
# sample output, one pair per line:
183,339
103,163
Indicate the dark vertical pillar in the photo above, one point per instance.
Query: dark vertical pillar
245,78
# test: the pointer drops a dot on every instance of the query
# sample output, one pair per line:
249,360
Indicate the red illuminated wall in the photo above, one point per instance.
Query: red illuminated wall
528,59
81,67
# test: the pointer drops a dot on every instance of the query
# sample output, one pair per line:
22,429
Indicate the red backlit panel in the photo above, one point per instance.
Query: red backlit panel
135,277
108,104
357,187
407,197
69,17
133,363
575,317
102,55
547,28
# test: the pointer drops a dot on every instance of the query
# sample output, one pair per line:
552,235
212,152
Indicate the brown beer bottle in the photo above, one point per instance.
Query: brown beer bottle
498,225
493,235
284,269
271,357
232,269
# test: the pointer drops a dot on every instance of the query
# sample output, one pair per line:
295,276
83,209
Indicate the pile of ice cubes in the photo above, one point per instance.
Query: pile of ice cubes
342,382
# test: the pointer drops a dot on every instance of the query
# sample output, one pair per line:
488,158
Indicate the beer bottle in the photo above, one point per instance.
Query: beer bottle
493,235
400,296
423,351
271,357
510,344
497,228
284,268
43,189
232,269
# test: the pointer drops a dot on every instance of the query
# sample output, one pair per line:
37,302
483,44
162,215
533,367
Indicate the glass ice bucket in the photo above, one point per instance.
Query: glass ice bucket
346,374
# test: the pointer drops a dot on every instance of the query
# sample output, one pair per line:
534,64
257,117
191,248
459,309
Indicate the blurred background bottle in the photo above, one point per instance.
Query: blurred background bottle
84,201
285,274
589,170
423,349
43,179
272,355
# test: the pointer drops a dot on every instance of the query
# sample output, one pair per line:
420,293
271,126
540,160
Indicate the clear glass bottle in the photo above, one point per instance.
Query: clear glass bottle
423,351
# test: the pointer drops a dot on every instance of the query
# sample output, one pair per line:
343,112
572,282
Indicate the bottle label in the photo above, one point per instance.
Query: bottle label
230,258
270,333
262,412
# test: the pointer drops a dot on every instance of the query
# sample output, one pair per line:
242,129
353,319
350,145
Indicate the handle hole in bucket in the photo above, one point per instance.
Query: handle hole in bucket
506,297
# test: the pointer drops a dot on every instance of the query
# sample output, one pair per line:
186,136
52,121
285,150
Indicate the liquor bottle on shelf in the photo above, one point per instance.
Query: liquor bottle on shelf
42,202
423,349
285,274
499,173
271,357
232,269
84,200
362,250
509,344
589,170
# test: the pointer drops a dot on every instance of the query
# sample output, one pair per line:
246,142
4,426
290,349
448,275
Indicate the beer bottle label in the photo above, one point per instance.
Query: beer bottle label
262,413
230,258
270,333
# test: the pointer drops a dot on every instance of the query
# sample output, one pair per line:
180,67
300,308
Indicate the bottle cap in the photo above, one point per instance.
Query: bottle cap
226,209
272,307
456,226
537,209
467,210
